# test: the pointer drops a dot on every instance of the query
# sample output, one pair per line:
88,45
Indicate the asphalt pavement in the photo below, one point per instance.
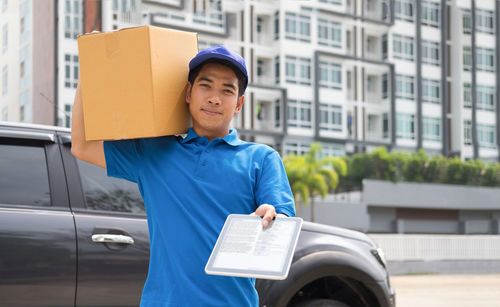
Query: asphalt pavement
481,290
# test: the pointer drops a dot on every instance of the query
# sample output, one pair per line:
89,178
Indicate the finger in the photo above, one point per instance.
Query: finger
268,217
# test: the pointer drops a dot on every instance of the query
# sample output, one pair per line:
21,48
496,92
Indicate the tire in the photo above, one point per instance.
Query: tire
320,303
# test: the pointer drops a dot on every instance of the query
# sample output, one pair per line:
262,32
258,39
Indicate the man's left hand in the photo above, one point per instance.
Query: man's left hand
267,212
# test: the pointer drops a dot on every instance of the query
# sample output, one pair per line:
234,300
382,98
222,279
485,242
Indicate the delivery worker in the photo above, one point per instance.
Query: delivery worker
191,184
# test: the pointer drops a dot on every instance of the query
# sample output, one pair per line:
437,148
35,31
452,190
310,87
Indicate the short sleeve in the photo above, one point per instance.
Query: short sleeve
122,159
272,186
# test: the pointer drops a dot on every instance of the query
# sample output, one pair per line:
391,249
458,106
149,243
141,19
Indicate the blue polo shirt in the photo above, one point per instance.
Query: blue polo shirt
189,187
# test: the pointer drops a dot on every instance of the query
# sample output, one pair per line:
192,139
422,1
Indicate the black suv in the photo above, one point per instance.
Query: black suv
71,236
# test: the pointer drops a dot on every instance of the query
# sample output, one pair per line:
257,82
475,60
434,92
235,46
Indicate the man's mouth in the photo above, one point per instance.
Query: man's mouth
211,112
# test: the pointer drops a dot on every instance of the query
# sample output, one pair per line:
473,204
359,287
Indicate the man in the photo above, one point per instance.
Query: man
191,184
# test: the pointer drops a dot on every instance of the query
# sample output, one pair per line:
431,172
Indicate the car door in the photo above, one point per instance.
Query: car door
37,233
113,239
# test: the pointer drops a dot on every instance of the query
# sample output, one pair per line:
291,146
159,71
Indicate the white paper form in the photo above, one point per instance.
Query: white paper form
245,248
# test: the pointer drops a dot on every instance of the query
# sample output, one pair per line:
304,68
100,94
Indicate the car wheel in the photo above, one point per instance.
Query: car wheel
320,303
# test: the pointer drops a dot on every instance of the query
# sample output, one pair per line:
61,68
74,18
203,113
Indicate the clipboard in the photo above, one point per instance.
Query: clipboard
245,249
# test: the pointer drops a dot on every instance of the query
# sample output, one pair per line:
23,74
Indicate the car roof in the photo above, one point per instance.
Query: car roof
33,126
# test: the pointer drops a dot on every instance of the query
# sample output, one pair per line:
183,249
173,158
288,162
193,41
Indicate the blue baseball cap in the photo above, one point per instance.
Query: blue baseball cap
222,53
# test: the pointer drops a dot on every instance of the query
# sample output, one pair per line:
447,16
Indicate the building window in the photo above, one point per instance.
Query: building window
67,115
21,70
5,80
298,70
5,114
402,47
330,75
467,61
297,148
329,33
277,70
467,95
332,150
430,13
299,113
277,114
276,25
467,132
25,106
405,126
70,71
485,98
212,15
466,21
403,10
431,91
486,135
334,2
431,128
385,126
330,117
384,46
485,21
385,86
485,59
298,27
5,37
5,5
405,87
430,52
72,18
24,21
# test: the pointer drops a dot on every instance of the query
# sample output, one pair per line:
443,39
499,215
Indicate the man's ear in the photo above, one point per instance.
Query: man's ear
188,92
239,104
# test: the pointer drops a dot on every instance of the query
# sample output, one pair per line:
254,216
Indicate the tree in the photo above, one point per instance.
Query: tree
310,175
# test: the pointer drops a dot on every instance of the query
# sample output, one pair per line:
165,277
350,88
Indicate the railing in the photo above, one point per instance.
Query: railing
409,247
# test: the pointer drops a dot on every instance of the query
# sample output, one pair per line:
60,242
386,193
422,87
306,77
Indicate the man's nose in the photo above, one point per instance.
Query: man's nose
215,99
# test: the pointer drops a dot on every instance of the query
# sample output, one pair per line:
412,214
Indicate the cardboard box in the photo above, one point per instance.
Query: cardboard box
133,82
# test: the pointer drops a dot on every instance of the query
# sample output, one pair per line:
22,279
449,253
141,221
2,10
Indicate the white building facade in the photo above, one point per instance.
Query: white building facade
350,74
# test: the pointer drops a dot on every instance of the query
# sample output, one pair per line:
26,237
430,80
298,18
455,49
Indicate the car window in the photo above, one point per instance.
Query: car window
107,193
24,178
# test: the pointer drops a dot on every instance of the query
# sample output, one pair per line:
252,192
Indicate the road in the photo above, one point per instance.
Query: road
447,290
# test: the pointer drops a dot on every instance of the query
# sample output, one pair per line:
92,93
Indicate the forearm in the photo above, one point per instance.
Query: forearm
89,151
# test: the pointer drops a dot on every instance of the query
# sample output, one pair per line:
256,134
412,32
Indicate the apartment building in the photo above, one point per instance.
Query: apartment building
350,74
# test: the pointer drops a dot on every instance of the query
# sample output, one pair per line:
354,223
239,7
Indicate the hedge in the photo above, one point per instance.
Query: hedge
416,167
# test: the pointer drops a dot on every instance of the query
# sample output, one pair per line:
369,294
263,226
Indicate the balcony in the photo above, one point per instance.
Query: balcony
373,48
377,128
264,70
377,10
264,32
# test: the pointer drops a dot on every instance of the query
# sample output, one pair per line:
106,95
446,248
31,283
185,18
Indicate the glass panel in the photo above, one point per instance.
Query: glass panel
107,193
24,179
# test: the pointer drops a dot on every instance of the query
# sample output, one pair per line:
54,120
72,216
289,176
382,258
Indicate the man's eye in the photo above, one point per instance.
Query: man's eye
204,85
228,91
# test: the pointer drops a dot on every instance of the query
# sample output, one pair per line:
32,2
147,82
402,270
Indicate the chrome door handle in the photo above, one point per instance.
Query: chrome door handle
110,238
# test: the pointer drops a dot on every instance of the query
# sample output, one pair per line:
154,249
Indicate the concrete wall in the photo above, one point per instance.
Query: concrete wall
427,195
340,214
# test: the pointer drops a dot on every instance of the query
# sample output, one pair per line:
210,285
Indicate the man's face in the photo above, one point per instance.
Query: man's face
213,100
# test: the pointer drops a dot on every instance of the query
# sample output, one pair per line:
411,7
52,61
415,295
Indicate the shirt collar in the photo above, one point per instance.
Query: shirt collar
231,138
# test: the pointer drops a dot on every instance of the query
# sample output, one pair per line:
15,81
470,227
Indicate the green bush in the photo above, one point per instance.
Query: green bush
416,167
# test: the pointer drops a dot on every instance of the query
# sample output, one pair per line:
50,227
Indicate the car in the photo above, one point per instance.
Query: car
71,236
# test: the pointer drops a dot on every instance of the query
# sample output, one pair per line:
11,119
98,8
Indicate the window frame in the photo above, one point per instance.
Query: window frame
297,108
430,126
401,44
333,114
402,79
55,171
430,9
430,53
298,22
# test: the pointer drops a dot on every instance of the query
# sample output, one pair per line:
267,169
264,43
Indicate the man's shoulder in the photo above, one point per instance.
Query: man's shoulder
257,148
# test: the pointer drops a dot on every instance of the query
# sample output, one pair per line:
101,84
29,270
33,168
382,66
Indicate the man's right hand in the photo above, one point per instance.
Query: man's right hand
89,151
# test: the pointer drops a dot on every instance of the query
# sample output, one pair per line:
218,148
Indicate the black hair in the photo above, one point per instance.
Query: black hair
242,80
